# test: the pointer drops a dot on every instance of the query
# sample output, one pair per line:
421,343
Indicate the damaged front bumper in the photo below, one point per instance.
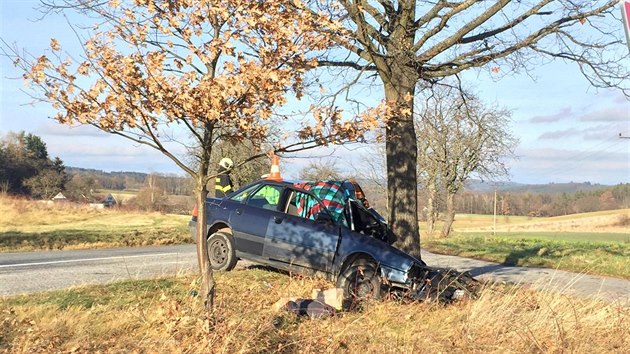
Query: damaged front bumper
441,284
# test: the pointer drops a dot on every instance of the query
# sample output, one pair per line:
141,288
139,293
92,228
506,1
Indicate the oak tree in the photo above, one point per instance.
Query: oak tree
157,72
409,44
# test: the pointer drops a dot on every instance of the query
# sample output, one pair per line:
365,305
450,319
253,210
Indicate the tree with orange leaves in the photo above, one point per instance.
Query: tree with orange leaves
216,70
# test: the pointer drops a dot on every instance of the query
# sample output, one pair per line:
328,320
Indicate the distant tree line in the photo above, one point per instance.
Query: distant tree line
131,181
548,204
26,168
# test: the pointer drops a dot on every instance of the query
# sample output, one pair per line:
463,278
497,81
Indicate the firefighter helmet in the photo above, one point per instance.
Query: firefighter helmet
226,163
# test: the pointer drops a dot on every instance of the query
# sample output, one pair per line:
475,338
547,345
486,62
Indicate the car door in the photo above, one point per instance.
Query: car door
253,210
298,237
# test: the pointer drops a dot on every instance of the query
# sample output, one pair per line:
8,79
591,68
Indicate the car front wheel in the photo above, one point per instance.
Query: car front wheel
360,282
221,251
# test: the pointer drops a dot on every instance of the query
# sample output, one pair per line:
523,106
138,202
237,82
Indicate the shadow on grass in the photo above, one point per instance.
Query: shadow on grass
513,258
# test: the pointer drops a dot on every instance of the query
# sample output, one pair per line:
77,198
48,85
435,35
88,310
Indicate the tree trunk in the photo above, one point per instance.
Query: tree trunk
207,279
450,214
431,207
401,152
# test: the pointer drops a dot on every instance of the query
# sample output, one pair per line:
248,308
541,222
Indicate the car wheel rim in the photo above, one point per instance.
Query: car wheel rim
361,286
218,252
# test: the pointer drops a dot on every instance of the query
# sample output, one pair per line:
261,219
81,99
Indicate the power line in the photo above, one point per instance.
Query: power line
569,163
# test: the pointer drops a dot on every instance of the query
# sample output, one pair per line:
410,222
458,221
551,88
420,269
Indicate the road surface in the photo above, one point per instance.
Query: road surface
30,272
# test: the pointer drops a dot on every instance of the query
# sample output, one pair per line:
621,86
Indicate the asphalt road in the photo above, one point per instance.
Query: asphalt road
30,272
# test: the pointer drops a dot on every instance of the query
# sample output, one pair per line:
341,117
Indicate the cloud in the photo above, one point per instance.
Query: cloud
564,113
606,164
57,129
561,134
588,132
610,114
620,98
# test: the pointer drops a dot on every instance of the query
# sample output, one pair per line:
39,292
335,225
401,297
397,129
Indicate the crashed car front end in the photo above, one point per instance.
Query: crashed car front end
400,271
421,282
441,284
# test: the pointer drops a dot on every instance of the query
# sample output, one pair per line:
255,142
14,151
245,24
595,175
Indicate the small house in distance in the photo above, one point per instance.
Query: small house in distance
60,198
109,201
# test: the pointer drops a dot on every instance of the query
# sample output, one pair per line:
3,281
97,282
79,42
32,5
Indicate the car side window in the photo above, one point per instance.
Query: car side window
303,205
242,196
266,197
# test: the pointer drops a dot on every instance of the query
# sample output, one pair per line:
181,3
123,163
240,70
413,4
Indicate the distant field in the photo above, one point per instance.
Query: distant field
597,243
119,195
29,225
609,221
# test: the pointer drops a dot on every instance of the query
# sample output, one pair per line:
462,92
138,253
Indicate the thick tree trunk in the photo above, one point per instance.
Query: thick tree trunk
207,279
401,152
450,214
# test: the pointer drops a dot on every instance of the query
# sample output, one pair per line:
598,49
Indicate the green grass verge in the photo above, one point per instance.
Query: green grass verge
14,241
603,254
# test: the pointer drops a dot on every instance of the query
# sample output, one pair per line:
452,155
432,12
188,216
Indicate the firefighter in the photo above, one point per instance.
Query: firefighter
223,182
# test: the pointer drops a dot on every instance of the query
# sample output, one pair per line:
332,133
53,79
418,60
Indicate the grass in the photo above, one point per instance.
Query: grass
28,225
161,316
608,221
594,243
603,258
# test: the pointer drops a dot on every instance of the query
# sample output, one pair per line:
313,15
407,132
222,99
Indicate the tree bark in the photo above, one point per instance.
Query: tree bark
207,279
431,209
399,75
450,214
401,152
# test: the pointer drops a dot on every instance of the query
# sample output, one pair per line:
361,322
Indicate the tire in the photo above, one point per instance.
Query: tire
221,252
360,282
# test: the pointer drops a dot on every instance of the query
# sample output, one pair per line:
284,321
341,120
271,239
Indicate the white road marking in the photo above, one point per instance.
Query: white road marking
83,260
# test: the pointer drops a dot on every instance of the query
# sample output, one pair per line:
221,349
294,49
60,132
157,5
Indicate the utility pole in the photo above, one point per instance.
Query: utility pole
494,218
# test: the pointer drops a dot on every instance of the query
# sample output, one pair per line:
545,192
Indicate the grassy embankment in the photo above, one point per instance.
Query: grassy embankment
595,243
160,316
28,225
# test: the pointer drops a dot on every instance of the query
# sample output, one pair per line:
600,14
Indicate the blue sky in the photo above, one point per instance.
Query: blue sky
568,131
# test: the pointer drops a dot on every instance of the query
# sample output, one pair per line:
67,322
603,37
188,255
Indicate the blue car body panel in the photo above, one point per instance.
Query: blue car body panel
275,237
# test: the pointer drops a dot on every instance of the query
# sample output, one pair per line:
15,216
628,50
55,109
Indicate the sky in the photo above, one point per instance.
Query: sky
568,131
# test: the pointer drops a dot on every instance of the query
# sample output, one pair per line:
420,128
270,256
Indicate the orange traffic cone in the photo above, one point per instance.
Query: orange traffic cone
274,173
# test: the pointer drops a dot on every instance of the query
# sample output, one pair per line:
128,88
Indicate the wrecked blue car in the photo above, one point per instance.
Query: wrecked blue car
324,228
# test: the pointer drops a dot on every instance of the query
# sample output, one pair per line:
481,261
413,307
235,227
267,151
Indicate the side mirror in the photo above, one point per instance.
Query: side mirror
323,217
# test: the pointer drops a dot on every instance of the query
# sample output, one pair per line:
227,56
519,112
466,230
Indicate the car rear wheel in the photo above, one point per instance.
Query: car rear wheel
360,282
221,251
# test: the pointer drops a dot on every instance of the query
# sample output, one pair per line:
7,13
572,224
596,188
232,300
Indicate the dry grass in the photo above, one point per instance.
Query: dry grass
610,221
30,225
161,316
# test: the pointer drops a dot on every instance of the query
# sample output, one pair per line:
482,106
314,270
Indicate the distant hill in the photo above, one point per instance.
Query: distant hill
131,181
139,176
549,188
